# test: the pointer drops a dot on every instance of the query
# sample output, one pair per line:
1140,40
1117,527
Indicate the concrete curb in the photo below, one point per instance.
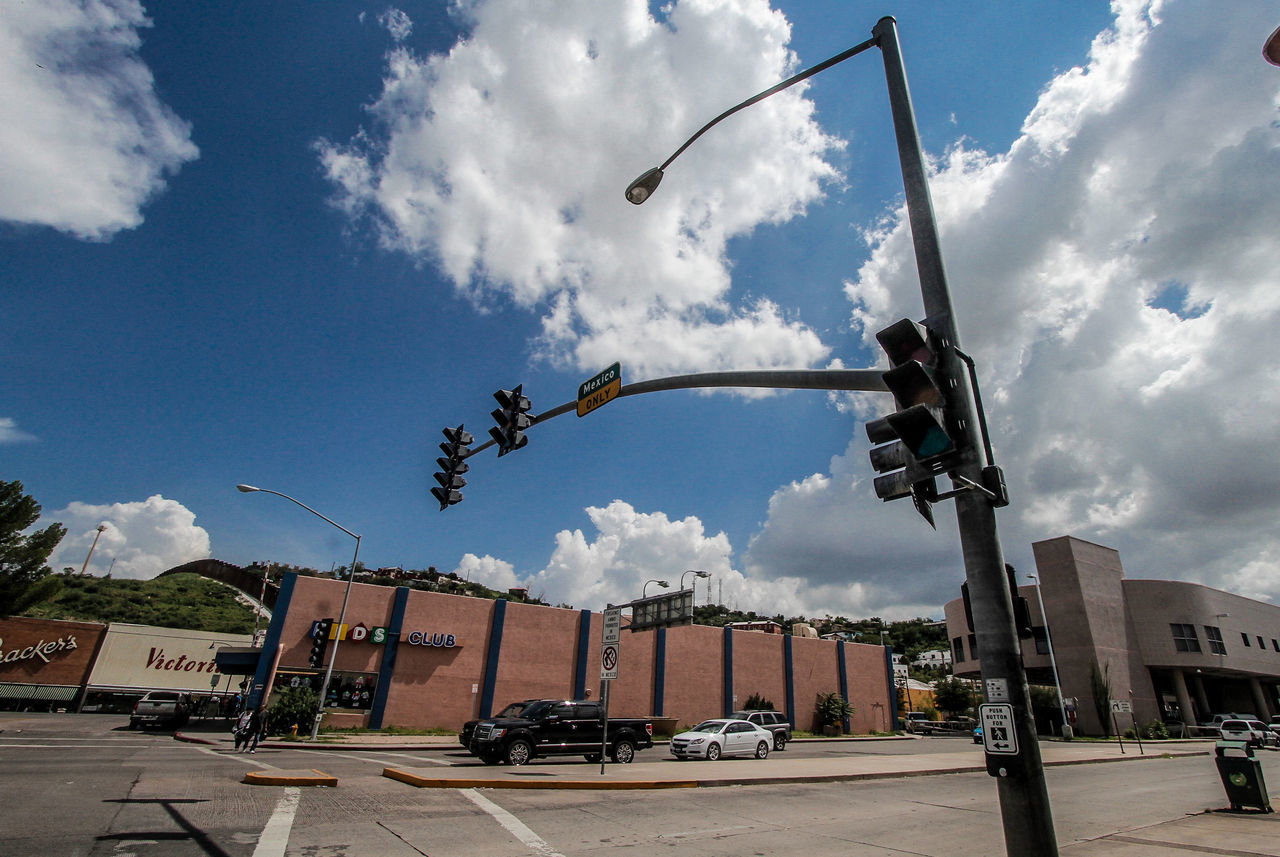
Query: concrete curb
290,778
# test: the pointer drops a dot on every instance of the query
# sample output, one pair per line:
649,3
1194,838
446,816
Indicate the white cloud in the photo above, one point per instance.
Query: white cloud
142,538
84,139
498,163
10,433
487,571
1113,274
398,24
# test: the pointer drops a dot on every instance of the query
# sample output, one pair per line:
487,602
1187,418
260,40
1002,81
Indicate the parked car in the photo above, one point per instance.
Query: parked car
1244,730
712,739
161,708
977,734
515,709
559,727
918,723
1269,737
774,721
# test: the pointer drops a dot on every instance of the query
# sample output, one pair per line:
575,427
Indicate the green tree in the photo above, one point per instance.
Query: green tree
25,578
953,696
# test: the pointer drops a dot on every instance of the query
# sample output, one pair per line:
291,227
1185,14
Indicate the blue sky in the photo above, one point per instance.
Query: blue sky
286,244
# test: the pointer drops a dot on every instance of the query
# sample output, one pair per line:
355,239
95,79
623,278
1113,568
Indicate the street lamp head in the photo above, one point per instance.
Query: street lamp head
1271,48
247,489
642,188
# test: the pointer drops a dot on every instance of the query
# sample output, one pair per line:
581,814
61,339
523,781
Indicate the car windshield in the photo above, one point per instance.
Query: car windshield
537,710
709,726
1235,725
513,710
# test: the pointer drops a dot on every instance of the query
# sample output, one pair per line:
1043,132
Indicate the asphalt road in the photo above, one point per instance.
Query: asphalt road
84,785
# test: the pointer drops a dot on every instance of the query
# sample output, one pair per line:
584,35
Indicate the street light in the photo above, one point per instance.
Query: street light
702,574
1057,682
1020,781
342,615
645,589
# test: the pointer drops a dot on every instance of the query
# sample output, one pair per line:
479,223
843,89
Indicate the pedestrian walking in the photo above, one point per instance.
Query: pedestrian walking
241,729
257,727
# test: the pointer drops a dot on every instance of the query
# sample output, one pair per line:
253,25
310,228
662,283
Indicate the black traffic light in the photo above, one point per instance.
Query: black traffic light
452,466
512,420
319,642
1021,606
919,440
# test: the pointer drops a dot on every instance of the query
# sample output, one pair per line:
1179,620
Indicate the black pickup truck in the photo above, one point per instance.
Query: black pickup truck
555,727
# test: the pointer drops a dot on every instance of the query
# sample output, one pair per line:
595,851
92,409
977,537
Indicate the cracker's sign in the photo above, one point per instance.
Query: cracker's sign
41,650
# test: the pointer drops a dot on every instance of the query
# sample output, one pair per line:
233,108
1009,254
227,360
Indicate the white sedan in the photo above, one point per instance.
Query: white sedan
712,739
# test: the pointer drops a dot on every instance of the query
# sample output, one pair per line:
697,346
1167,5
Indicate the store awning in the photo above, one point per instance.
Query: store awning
44,692
237,661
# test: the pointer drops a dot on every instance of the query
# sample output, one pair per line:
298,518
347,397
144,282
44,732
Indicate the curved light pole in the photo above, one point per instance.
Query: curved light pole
1057,681
1020,781
84,568
645,589
342,616
702,574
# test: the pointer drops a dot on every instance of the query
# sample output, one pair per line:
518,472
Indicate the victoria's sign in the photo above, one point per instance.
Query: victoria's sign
41,650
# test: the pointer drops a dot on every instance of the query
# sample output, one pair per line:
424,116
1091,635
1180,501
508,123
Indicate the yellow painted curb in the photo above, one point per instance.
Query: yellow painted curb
290,778
598,785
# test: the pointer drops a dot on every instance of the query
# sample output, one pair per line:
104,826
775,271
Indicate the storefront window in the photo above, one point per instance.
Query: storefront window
346,689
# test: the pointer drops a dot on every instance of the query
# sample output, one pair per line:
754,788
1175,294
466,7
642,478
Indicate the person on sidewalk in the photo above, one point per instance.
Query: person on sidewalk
257,726
241,729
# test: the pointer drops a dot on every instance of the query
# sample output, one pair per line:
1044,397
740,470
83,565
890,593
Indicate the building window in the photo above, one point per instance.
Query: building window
973,646
957,650
1275,644
1042,640
1214,635
1184,637
1245,638
1262,644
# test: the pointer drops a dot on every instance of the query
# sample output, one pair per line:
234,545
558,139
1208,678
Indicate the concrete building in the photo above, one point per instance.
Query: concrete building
1175,651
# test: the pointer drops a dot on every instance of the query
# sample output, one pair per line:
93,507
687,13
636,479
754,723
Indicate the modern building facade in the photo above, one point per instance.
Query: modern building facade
1174,651
423,659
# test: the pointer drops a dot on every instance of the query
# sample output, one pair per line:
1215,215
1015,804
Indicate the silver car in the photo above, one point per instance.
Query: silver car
712,739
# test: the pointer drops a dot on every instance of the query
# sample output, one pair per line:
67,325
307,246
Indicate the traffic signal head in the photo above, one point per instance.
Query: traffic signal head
512,420
452,466
915,443
319,642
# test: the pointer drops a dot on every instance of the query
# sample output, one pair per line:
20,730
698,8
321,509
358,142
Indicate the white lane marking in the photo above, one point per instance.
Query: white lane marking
242,757
275,836
348,755
513,825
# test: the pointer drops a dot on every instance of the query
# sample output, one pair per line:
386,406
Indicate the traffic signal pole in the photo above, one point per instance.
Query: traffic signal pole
1024,796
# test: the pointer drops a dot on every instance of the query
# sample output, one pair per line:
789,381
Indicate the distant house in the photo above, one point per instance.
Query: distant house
935,658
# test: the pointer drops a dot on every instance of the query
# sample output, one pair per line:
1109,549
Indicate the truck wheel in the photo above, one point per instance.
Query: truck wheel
762,750
624,752
780,740
713,752
519,751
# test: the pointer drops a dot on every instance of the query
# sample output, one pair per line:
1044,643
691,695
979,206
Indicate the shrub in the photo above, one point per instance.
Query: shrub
296,706
832,708
756,701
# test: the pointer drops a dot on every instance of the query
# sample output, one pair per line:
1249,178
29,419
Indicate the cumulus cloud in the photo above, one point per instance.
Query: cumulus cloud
497,163
84,141
487,571
1113,274
141,539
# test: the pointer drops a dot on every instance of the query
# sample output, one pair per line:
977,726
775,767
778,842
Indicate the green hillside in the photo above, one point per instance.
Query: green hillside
185,601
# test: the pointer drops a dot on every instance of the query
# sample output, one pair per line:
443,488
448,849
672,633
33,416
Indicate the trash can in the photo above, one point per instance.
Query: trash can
1242,776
